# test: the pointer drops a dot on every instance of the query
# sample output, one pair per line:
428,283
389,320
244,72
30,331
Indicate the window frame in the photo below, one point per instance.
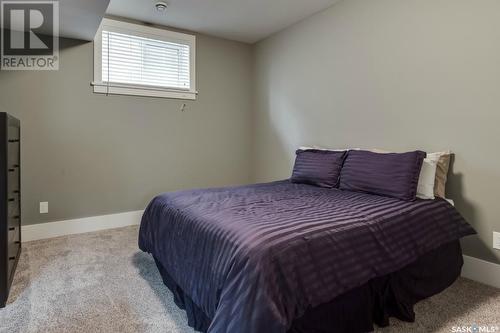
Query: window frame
143,90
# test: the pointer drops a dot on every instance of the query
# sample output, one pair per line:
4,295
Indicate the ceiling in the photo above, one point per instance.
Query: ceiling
242,20
80,19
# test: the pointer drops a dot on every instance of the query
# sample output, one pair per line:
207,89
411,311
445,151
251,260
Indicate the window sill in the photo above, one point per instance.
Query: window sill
146,92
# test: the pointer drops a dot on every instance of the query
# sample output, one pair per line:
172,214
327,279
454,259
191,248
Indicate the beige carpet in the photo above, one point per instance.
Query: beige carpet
101,282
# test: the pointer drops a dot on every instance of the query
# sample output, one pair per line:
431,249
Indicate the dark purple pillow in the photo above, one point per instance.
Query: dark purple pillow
393,175
318,167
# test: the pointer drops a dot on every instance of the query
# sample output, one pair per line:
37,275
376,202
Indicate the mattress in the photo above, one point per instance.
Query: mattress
255,258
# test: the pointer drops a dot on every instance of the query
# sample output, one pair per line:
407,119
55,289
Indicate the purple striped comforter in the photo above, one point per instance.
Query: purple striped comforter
254,258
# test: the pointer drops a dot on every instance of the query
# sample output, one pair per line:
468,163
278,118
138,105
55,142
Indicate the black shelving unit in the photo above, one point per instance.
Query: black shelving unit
10,201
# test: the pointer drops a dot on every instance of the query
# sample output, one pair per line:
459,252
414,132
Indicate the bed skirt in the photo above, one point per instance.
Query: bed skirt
392,295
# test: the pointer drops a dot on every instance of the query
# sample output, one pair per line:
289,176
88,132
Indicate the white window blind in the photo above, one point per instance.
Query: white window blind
137,60
143,61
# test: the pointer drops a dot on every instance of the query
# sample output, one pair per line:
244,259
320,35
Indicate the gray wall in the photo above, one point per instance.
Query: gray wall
88,154
391,74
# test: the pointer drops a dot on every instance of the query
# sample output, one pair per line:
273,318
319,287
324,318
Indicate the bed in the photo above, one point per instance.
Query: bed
283,257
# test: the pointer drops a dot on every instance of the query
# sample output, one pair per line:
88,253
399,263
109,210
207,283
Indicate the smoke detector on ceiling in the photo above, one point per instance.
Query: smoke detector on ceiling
161,6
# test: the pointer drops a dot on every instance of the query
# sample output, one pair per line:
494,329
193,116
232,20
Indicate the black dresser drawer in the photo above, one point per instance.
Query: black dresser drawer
13,132
14,248
13,179
13,221
13,257
12,208
11,264
13,234
13,147
13,154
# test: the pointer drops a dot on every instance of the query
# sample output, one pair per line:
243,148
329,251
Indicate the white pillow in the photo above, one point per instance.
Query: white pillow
319,148
323,148
427,178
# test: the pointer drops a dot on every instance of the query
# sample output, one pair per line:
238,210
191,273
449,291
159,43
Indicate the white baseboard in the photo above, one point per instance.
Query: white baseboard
481,271
78,226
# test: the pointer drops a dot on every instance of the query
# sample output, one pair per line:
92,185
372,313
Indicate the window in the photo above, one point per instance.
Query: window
131,59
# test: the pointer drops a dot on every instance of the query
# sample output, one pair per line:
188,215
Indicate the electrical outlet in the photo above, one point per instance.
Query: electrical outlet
44,207
496,240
